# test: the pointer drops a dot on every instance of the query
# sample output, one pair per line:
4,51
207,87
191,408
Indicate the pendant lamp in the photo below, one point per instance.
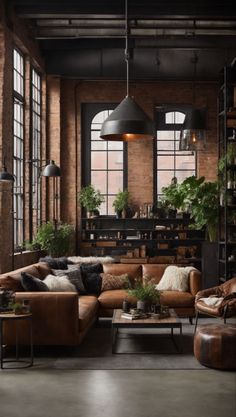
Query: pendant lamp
128,121
193,132
6,176
51,170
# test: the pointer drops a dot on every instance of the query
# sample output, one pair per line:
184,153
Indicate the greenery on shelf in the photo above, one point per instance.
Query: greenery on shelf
180,196
199,198
90,198
121,201
55,239
145,292
204,208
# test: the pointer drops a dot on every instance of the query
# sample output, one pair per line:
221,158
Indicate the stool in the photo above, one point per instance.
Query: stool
215,345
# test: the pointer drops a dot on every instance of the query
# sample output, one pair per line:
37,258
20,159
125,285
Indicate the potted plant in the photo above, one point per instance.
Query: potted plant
146,294
90,199
121,202
55,240
204,208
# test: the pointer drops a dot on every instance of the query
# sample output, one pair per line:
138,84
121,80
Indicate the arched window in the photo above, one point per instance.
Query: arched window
169,161
106,161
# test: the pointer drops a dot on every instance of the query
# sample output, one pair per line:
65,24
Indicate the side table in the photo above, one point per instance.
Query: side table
16,317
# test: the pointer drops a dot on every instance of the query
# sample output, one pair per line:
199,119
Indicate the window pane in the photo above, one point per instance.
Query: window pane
181,175
165,145
164,179
115,145
110,200
185,162
115,181
98,145
95,135
98,160
165,135
99,180
103,207
115,160
165,162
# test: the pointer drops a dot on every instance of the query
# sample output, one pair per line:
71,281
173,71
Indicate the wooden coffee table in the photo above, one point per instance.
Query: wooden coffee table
172,322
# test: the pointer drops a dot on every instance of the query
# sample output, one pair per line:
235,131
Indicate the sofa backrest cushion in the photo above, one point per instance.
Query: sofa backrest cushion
133,270
43,269
153,271
12,280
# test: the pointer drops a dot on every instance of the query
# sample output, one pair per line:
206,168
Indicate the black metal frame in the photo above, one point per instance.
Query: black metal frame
160,112
89,111
34,180
18,191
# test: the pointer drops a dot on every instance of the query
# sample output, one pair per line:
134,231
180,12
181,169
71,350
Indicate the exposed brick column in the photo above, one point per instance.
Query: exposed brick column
53,138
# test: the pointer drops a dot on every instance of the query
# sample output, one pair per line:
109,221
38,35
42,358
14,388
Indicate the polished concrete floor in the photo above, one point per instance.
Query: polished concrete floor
117,393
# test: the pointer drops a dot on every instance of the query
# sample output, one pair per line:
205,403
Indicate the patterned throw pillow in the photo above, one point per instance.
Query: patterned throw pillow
73,274
114,282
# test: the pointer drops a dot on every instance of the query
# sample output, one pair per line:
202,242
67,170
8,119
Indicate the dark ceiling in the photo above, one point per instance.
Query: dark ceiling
85,39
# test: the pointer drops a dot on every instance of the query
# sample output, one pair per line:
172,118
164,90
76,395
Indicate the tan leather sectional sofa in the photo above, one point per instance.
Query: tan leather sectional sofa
64,318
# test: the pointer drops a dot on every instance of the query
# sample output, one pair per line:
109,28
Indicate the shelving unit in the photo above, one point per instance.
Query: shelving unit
227,142
147,239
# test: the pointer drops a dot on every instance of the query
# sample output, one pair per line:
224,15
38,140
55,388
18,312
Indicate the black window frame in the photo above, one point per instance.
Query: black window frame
160,124
88,112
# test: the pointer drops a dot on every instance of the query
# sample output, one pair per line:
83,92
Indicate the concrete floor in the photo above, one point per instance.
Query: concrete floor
117,393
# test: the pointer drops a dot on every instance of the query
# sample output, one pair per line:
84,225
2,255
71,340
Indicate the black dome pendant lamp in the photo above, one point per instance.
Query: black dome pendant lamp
193,132
128,121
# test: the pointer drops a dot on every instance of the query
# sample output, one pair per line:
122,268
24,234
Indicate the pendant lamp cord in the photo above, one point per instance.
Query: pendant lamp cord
195,61
127,55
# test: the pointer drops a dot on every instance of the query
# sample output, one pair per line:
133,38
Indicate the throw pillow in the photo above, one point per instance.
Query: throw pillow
73,274
92,283
60,284
91,259
175,279
55,263
114,282
91,277
30,283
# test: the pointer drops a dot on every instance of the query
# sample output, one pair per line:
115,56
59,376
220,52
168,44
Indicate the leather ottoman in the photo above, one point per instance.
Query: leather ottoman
215,345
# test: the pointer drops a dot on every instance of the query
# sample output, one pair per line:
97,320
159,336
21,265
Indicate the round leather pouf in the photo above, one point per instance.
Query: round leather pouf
215,345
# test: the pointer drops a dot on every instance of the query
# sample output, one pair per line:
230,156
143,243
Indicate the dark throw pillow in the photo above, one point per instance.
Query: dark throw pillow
55,263
91,277
93,283
30,283
73,274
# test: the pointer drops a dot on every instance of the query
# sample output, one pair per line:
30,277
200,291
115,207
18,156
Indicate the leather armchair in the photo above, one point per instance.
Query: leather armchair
227,307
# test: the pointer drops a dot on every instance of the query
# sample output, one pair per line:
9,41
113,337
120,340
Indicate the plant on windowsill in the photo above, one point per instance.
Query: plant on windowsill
90,199
121,202
55,240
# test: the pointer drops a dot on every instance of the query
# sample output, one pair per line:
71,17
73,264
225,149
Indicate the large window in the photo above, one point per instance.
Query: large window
18,146
169,161
107,163
36,111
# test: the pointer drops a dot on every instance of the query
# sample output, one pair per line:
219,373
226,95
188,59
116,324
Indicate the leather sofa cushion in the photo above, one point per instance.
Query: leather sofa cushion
154,271
88,307
177,299
12,280
44,269
114,299
134,271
